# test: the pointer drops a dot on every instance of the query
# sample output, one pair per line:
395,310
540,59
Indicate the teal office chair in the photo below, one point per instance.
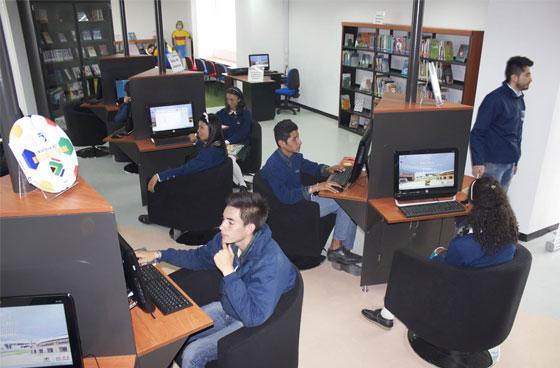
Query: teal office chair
290,91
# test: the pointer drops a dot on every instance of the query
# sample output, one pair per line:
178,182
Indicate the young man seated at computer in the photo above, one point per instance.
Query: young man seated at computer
256,274
282,173
490,239
236,120
211,152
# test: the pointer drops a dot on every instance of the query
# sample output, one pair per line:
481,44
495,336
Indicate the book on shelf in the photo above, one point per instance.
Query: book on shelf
68,74
96,70
97,15
346,80
345,102
87,71
61,37
385,42
86,35
96,33
354,59
75,91
348,40
47,38
401,45
56,97
365,85
462,54
73,34
77,73
354,121
82,16
404,70
365,61
91,51
363,122
448,51
447,74
103,50
346,55
365,40
434,49
382,63
358,104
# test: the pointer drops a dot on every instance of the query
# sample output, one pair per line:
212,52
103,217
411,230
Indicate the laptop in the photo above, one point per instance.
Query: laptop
39,331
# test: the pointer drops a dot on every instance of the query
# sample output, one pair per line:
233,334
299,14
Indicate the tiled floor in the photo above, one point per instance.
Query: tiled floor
333,333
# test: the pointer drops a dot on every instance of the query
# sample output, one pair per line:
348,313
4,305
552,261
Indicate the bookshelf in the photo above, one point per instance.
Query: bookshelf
64,43
374,59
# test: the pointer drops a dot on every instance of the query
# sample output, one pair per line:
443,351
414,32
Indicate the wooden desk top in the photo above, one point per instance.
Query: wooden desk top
146,145
355,192
392,215
395,103
117,361
151,334
245,78
81,198
101,105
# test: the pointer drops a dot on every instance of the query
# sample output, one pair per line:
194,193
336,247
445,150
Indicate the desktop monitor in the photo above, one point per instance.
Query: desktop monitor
171,119
362,154
39,331
426,173
259,59
119,87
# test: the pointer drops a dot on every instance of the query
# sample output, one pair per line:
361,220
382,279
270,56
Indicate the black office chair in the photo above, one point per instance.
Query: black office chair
194,202
298,228
274,344
290,91
455,315
85,129
252,163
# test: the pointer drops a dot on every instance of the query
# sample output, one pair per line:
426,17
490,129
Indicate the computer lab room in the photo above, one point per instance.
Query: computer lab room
279,183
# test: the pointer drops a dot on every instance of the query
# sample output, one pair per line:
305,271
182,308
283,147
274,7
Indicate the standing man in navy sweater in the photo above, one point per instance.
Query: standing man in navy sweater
282,173
256,274
496,135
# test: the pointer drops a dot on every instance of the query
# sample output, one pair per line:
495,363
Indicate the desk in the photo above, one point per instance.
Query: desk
118,361
158,340
151,158
259,96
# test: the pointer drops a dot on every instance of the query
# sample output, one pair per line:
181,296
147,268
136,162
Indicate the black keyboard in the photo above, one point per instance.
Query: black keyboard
342,177
164,295
169,141
432,209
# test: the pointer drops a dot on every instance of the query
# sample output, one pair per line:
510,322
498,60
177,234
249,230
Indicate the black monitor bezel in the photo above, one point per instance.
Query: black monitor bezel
69,312
174,132
424,193
267,56
362,154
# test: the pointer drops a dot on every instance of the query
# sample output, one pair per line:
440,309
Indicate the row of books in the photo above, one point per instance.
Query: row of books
436,49
352,58
361,103
386,84
394,44
59,96
66,75
90,51
57,55
94,34
382,63
358,122
444,72
87,35
95,16
365,84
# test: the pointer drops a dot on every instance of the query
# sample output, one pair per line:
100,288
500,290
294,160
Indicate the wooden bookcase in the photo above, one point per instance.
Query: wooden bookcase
362,61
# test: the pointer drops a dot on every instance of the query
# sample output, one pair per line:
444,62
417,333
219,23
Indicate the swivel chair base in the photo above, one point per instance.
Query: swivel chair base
445,358
92,151
286,105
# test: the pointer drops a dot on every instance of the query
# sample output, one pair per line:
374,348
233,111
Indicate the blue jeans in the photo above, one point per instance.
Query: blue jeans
344,227
181,50
203,347
501,172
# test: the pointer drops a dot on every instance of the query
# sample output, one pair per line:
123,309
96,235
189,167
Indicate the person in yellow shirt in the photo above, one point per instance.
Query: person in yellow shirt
179,38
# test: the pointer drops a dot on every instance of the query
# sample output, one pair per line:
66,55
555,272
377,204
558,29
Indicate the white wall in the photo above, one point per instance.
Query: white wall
315,32
140,17
532,28
261,28
18,56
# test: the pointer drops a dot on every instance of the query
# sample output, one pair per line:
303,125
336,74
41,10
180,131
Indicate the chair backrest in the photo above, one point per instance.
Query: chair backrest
200,66
192,202
462,309
189,63
293,79
84,128
274,344
211,67
253,161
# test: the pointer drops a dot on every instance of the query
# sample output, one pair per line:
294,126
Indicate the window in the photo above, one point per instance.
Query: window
50,350
215,20
63,349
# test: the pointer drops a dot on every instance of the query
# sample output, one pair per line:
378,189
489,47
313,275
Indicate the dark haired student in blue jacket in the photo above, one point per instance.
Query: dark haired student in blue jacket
496,135
255,274
211,153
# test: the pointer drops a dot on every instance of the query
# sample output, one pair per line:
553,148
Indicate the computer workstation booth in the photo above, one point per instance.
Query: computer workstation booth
398,126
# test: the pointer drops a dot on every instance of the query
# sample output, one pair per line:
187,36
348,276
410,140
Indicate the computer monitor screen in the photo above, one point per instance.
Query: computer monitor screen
425,173
119,86
260,59
171,119
38,331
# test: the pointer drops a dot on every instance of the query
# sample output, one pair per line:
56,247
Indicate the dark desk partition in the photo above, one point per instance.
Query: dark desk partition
121,67
151,88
